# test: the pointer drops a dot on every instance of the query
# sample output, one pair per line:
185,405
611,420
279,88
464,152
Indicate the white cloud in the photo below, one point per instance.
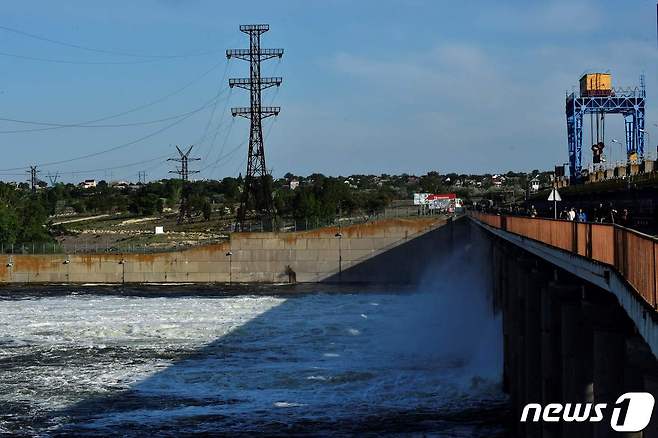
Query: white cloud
458,107
546,17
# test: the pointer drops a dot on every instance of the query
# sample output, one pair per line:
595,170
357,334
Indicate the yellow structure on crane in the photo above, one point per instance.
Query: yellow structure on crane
596,84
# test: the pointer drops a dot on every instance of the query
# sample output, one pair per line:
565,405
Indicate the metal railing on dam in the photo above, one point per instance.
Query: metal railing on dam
632,254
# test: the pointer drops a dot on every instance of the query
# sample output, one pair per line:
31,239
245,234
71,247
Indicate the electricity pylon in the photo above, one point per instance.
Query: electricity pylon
257,193
184,172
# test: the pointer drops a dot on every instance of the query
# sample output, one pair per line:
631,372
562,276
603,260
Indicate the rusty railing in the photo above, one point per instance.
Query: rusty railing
632,254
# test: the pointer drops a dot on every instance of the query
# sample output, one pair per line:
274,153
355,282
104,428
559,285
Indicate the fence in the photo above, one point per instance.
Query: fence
311,223
632,254
31,248
143,242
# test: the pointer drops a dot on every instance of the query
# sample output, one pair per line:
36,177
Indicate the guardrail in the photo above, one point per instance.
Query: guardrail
632,254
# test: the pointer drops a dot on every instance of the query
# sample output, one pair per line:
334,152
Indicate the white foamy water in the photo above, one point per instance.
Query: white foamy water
319,362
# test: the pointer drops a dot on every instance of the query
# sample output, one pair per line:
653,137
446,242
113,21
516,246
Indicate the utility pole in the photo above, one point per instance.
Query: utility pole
257,192
184,172
34,180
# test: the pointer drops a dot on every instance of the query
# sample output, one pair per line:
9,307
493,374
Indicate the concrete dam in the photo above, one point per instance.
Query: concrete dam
326,254
577,312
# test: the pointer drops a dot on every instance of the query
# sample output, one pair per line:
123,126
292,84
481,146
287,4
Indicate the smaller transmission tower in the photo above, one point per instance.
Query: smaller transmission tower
53,178
141,177
34,180
184,172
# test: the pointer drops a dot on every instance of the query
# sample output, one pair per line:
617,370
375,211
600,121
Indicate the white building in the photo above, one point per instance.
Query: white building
88,184
534,184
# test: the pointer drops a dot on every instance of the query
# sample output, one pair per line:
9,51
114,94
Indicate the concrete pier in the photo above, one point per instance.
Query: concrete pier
567,341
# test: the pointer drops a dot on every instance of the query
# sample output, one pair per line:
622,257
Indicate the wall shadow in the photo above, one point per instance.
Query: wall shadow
408,262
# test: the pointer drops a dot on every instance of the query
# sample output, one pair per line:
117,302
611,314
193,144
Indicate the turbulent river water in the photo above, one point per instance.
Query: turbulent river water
320,363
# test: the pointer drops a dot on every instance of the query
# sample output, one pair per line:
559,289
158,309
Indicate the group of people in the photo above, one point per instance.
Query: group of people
571,214
604,213
601,214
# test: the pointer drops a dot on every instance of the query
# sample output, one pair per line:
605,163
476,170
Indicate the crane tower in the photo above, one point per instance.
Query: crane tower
598,98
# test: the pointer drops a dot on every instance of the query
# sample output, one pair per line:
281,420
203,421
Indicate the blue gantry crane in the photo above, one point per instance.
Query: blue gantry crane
598,98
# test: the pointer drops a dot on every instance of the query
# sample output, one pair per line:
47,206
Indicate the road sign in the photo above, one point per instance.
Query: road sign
554,196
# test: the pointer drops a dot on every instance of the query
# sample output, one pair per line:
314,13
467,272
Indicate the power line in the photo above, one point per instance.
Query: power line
216,132
111,149
115,125
121,166
214,109
222,157
58,174
228,133
137,108
68,61
105,51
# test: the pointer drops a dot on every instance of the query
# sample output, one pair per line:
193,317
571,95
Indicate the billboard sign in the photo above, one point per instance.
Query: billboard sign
436,202
420,198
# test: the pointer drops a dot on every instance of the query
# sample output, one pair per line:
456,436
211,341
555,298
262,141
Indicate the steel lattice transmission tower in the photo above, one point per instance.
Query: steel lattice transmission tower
34,179
53,178
257,193
184,172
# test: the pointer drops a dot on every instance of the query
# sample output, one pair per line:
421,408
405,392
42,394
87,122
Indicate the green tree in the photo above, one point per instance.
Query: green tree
8,225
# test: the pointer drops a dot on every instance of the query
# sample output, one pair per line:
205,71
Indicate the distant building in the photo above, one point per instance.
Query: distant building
294,184
120,184
88,184
534,184
497,180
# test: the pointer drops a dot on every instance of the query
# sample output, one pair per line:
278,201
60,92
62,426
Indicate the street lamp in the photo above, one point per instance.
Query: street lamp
122,262
339,235
621,147
230,257
644,131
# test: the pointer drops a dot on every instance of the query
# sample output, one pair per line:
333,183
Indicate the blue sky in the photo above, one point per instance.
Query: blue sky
369,86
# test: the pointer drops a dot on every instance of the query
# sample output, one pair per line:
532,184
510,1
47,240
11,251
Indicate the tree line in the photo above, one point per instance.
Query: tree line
26,217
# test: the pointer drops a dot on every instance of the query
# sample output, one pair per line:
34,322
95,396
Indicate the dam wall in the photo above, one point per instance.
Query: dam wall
308,256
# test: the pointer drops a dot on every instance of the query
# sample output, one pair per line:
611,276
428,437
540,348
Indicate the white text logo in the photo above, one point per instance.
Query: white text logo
631,412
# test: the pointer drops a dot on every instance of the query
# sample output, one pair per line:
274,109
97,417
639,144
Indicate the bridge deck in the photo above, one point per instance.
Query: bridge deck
632,254
617,259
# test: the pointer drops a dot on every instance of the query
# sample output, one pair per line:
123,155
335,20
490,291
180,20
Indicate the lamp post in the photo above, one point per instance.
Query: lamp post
339,235
122,262
614,140
230,258
644,131
554,195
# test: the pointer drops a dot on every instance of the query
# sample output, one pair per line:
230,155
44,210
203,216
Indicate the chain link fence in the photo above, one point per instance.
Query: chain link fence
147,243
